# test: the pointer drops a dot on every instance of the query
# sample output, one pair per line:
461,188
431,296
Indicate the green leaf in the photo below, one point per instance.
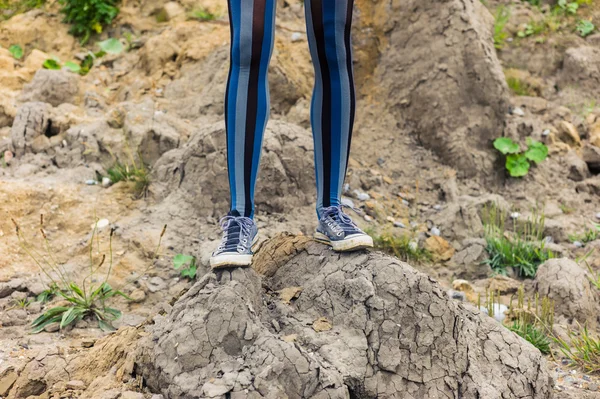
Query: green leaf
111,46
41,326
58,310
51,64
104,326
16,51
70,315
506,146
189,272
517,165
72,66
112,312
75,288
180,260
536,151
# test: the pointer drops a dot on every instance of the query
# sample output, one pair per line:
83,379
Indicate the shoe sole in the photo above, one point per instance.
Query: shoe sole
232,260
346,245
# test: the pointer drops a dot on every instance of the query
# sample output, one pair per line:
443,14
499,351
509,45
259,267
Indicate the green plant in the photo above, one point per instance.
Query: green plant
21,303
534,2
533,323
566,209
181,260
518,162
88,299
585,27
16,51
403,247
51,63
88,16
531,29
202,14
48,293
594,277
522,249
500,20
533,335
566,7
136,172
110,46
582,349
519,87
589,235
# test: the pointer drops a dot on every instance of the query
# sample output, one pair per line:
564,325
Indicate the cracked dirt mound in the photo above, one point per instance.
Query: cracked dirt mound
363,325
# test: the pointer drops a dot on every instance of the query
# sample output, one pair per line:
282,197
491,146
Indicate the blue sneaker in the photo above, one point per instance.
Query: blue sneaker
339,231
239,234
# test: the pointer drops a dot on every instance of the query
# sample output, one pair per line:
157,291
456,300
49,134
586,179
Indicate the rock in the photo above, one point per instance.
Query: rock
106,182
8,376
35,288
137,295
361,196
31,121
394,332
35,60
440,249
469,262
581,69
156,284
565,282
577,168
131,395
518,111
52,86
465,287
76,385
591,156
196,174
463,118
171,11
322,324
568,133
288,294
435,231
40,144
502,284
14,317
598,216
52,327
34,308
11,286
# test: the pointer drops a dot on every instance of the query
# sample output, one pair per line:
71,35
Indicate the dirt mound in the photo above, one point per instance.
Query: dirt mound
443,81
197,173
360,325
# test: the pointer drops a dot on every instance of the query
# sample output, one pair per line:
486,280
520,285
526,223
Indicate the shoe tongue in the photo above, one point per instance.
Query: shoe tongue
233,232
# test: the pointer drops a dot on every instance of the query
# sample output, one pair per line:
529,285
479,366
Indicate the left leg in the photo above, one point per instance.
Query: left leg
333,103
328,25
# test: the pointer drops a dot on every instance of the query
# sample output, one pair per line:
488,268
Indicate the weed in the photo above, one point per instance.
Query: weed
185,260
21,303
521,249
135,172
10,8
567,210
403,247
519,87
500,20
83,300
16,51
202,14
566,8
88,16
582,349
594,277
533,323
517,161
589,235
48,293
531,29
585,27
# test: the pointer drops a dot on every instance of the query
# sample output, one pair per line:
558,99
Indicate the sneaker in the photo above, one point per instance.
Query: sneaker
339,231
239,234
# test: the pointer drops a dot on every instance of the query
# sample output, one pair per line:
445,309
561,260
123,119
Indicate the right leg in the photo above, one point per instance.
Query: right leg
252,25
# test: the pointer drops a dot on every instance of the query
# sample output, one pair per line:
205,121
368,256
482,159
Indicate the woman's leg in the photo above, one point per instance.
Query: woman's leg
247,96
333,102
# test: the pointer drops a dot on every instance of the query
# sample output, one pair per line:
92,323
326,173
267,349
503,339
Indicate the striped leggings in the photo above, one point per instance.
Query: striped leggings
247,95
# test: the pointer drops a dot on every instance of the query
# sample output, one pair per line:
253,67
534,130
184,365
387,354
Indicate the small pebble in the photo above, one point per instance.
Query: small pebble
437,207
548,239
296,36
413,246
458,295
546,133
346,187
362,196
368,218
578,244
405,202
380,161
518,111
435,231
348,202
106,181
91,182
598,216
101,224
515,215
399,224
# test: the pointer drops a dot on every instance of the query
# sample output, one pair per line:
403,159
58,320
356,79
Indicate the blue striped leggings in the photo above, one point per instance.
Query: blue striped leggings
252,24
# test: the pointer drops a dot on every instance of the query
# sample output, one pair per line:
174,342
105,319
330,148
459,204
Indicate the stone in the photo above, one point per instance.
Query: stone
54,87
465,287
35,288
31,121
591,156
40,144
503,284
469,262
440,249
52,327
384,315
14,317
8,376
568,133
76,385
567,283
322,324
287,294
156,284
35,60
172,11
577,168
131,395
137,295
